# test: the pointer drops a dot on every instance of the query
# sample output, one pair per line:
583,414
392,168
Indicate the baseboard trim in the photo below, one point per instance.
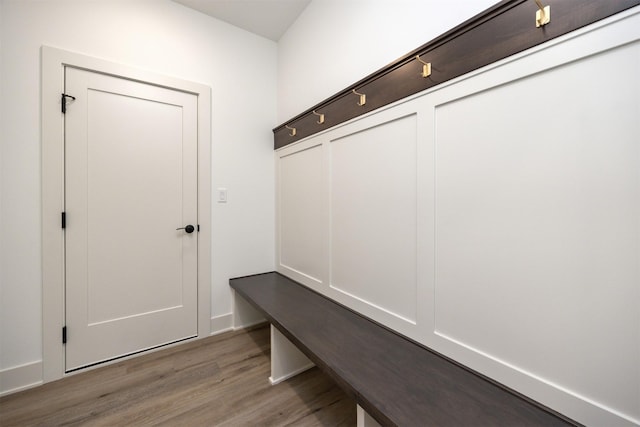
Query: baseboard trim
249,325
278,380
20,378
222,323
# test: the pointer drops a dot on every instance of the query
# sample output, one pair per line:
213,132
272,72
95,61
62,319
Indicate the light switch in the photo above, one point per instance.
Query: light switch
222,195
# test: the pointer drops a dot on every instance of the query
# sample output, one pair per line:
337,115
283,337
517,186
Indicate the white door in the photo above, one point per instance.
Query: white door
130,184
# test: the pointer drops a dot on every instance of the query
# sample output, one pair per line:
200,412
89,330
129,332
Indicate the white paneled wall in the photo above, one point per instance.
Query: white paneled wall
547,221
354,192
373,216
494,219
301,197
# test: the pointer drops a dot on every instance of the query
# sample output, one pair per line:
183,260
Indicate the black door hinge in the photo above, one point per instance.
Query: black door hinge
63,102
64,335
64,220
198,228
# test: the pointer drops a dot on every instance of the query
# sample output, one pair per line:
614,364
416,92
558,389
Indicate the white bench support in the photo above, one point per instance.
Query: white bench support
244,315
363,419
286,360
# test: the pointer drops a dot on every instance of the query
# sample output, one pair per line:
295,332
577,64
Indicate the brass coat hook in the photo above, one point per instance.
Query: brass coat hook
426,67
293,130
321,119
543,15
363,98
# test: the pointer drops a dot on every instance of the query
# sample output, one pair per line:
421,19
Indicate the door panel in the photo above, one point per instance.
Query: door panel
131,180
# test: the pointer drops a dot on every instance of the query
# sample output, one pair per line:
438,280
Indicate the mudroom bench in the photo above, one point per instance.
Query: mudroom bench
393,380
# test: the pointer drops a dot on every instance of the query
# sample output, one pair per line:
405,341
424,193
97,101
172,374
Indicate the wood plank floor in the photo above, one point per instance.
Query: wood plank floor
221,380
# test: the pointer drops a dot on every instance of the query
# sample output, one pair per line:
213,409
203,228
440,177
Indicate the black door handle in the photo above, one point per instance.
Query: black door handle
189,228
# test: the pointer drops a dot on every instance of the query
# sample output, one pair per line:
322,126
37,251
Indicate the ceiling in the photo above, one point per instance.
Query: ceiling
267,18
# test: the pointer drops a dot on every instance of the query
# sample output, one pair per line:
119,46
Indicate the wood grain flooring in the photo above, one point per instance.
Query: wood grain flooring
218,381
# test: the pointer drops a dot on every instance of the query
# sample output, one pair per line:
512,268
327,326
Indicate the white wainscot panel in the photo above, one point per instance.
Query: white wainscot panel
300,213
373,216
537,227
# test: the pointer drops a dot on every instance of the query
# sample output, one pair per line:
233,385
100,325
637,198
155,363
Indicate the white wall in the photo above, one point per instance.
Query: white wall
166,38
335,43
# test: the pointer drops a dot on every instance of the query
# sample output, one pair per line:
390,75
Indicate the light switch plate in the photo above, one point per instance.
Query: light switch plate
222,195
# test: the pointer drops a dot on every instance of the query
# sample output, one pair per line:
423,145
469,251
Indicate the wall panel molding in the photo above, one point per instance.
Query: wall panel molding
373,228
300,203
542,238
526,228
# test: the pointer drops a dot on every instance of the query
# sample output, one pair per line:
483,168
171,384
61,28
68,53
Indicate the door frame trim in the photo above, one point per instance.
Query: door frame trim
53,61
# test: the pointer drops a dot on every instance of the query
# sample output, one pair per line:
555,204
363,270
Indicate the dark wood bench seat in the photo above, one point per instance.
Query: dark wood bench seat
396,381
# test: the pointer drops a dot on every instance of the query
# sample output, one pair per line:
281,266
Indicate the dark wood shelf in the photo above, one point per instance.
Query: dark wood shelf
497,33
